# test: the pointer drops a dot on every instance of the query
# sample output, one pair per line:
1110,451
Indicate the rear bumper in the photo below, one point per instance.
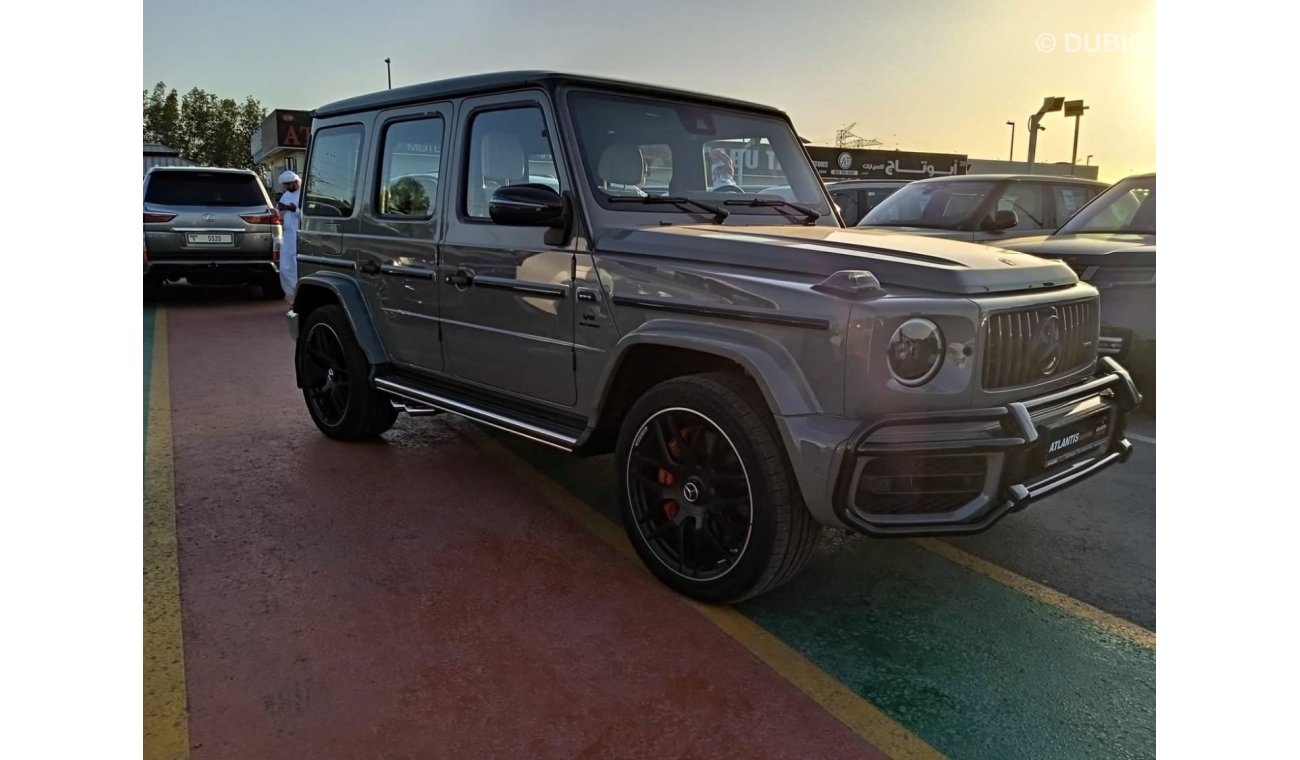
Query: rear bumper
236,270
959,472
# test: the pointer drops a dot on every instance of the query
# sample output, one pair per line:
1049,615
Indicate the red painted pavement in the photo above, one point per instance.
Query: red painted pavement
410,598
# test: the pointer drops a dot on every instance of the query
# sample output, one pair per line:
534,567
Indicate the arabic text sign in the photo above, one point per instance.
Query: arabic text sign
860,163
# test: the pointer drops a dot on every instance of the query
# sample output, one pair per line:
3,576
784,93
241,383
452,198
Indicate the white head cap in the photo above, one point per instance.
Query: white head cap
288,177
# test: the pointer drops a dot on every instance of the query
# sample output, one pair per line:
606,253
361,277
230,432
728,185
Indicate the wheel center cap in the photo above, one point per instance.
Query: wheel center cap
691,491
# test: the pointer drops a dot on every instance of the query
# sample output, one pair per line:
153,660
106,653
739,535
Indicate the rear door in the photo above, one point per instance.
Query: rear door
506,296
329,197
396,248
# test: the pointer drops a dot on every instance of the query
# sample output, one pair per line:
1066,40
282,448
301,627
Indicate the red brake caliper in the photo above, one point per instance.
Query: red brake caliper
670,506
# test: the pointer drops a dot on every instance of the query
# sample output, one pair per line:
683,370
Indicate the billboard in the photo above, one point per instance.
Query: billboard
286,129
868,163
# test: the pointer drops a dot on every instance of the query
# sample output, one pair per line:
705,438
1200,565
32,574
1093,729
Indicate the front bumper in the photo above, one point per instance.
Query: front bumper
959,472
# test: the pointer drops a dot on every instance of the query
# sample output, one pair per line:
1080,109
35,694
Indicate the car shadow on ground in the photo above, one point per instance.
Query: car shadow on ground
182,294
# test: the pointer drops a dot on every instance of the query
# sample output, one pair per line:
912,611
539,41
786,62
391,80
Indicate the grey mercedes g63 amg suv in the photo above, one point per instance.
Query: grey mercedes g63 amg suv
757,369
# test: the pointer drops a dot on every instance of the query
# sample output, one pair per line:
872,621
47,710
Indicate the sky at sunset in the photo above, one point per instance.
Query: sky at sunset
924,75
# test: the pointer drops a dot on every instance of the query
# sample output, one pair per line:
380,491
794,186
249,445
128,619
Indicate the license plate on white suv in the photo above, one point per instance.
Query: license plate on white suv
209,238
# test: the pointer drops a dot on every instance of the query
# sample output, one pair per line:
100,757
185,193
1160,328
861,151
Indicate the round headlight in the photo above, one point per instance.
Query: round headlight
915,352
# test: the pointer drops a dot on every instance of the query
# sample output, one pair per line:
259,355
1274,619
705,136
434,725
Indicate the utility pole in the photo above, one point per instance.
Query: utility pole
1075,108
389,63
1049,105
1012,155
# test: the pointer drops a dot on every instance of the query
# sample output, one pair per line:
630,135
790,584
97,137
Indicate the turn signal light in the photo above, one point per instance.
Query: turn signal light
156,218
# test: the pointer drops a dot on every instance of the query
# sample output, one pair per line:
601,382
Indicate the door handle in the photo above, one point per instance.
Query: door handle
462,279
369,267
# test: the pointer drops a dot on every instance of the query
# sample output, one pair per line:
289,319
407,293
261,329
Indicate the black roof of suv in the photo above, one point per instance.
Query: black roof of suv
509,80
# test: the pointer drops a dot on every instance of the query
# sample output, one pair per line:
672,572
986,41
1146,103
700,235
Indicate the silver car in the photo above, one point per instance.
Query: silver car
210,226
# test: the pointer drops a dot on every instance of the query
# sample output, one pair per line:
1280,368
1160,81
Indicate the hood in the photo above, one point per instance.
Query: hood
1059,246
908,261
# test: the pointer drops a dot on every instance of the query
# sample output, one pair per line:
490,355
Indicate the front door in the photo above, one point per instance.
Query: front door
506,296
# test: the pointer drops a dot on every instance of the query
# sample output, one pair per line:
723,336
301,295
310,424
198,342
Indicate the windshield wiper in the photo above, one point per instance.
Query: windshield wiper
807,215
719,214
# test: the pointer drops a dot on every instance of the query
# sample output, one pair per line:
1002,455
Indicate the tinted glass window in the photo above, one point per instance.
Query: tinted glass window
332,174
847,200
1070,199
1026,199
408,177
507,147
204,189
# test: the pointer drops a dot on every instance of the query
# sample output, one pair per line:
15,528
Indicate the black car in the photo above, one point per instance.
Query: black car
1111,243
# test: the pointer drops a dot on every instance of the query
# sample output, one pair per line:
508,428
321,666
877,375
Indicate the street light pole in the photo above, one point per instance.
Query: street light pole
1050,104
1075,108
389,63
1089,161
1012,155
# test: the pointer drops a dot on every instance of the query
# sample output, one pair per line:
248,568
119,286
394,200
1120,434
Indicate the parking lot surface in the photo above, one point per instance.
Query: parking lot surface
447,591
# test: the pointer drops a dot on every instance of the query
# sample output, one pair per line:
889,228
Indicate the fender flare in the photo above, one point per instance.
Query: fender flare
773,369
347,293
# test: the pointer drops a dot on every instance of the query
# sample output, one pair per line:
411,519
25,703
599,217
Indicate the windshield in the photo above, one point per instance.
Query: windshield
645,148
937,205
1128,206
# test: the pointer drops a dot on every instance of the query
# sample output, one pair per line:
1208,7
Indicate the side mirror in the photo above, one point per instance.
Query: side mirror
531,205
1002,219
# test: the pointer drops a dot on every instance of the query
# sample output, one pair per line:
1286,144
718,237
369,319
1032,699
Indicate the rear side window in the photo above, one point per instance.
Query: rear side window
332,174
1070,199
411,160
204,189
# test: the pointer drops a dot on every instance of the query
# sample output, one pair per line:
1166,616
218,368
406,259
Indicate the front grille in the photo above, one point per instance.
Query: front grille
919,485
1015,352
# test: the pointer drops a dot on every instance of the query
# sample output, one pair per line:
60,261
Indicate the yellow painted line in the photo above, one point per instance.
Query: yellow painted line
862,717
166,713
1104,620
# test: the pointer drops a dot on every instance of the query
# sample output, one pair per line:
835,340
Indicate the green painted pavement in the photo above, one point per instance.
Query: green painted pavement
970,666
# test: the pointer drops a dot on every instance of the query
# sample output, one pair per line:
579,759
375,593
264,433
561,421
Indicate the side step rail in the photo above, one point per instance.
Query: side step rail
440,402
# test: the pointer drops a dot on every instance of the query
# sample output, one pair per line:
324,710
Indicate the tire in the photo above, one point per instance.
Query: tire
336,377
744,529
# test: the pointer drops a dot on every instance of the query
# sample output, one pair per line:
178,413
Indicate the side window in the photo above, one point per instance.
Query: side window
1026,199
1070,199
847,200
409,163
332,174
506,147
